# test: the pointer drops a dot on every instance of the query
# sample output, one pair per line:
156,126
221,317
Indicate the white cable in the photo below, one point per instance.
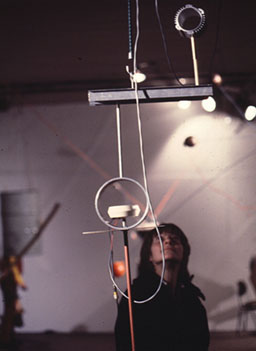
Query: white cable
143,170
142,154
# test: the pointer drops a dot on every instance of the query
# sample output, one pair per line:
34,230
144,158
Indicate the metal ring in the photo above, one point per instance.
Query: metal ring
104,186
186,12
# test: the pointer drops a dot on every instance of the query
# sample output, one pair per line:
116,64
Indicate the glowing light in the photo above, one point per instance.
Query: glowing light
184,104
209,104
250,113
217,79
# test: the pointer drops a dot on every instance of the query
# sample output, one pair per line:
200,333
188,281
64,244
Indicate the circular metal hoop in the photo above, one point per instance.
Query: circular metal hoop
104,186
188,12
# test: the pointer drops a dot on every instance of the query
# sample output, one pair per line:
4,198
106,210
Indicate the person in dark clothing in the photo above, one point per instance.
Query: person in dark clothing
175,319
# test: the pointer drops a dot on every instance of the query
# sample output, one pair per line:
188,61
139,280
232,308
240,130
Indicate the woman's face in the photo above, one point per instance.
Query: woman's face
173,249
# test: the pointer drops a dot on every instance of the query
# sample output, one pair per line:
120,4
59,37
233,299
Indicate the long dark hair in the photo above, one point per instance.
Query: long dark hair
146,266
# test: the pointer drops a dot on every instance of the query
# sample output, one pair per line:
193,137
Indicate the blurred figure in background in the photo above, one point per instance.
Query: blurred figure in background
10,280
252,267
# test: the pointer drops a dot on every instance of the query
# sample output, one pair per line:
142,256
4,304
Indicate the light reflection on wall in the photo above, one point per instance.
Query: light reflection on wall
211,137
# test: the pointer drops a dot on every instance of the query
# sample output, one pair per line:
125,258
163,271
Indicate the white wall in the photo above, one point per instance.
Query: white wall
68,151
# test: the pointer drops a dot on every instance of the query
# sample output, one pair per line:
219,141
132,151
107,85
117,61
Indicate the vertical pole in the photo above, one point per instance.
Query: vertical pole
194,60
128,281
125,232
119,144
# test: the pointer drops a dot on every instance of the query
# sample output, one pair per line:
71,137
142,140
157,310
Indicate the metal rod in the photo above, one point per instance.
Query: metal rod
118,125
146,226
194,59
128,281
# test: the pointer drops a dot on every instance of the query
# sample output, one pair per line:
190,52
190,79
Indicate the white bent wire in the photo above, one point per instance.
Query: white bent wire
104,186
143,170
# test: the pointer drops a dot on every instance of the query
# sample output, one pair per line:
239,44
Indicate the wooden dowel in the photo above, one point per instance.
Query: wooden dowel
194,60
128,280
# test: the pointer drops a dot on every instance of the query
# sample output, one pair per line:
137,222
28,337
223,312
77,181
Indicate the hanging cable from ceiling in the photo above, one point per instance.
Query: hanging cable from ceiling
130,55
170,65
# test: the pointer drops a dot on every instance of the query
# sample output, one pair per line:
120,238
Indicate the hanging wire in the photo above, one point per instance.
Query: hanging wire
171,68
144,173
142,154
129,31
216,38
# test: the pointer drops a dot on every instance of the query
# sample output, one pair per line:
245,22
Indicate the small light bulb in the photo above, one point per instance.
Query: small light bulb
184,104
209,104
250,113
217,79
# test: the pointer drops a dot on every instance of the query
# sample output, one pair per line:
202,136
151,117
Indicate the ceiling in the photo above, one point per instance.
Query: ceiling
55,51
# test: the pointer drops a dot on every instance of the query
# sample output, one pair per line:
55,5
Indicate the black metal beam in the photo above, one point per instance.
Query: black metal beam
149,95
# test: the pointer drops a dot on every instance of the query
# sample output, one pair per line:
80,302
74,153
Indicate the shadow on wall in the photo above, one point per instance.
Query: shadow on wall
223,316
79,328
216,296
215,293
